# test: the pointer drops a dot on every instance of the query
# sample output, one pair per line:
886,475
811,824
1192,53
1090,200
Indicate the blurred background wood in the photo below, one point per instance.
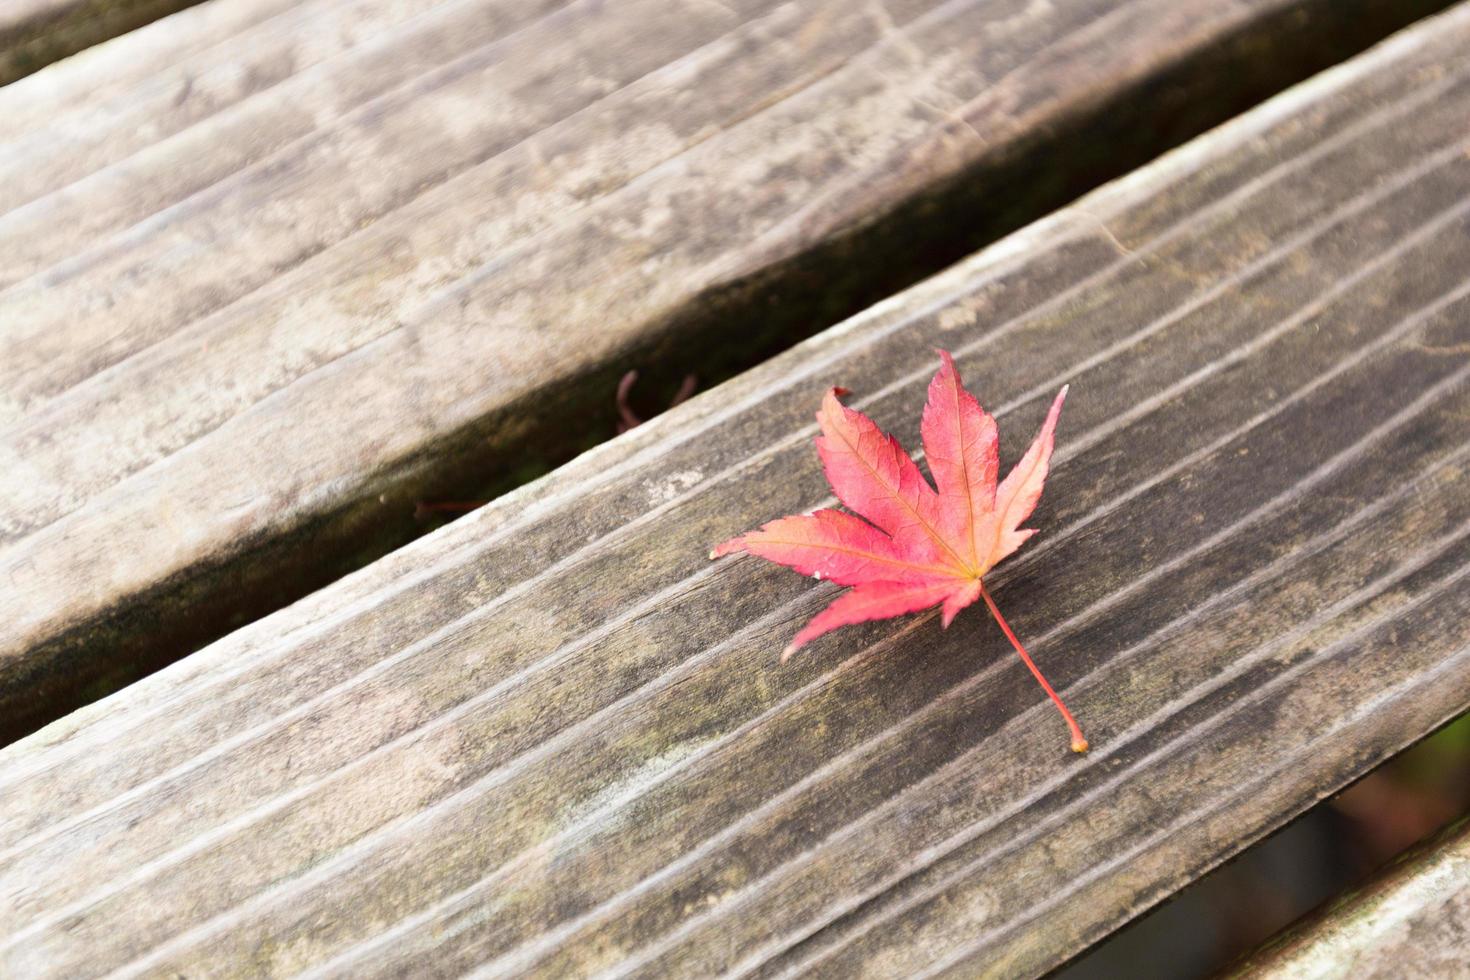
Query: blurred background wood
1412,922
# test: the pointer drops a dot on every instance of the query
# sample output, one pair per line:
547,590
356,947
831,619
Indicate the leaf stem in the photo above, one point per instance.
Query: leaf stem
1079,744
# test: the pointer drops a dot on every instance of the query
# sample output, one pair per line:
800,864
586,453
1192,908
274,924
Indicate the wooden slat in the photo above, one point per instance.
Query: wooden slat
553,739
240,344
1412,922
219,72
35,33
103,153
35,101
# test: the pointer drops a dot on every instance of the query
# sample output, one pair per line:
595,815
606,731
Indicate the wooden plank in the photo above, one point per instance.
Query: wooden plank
553,739
1412,922
102,71
230,86
35,33
236,355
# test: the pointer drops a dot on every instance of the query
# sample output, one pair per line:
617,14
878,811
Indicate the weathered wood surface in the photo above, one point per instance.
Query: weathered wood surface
240,336
554,739
35,33
1412,923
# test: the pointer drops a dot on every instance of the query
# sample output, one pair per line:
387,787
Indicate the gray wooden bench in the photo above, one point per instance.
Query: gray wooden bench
271,275
554,739
1412,922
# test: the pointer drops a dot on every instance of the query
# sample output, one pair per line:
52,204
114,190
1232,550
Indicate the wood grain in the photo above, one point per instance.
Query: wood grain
1411,922
554,739
381,251
35,33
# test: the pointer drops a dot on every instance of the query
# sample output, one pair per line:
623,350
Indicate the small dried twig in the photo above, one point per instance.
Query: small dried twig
627,418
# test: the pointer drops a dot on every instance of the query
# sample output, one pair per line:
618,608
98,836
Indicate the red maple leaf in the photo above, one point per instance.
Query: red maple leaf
923,547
